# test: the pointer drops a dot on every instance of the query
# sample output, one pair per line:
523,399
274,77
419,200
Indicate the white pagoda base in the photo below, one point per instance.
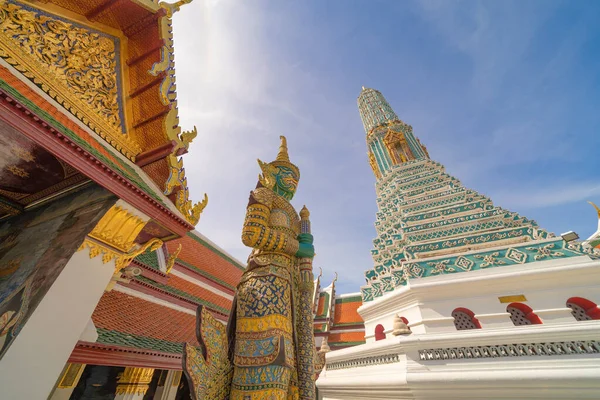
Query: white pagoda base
558,359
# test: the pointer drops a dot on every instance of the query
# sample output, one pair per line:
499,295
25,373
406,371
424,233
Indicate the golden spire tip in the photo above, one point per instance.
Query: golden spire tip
283,150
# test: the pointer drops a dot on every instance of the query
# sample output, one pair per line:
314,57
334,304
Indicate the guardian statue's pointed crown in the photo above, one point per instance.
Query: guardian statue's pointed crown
280,175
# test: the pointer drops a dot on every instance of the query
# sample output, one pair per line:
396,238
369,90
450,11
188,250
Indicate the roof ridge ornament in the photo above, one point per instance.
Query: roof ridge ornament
172,8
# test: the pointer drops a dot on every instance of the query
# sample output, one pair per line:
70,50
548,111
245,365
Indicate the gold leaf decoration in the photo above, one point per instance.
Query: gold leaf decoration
75,65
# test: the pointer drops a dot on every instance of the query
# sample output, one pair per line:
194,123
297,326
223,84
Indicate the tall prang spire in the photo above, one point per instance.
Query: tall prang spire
390,141
428,223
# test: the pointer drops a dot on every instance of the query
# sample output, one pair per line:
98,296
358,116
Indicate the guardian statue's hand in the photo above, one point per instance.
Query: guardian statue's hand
305,238
305,250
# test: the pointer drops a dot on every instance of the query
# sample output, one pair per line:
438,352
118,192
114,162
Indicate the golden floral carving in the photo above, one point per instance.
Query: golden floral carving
18,171
121,260
118,228
135,380
114,236
76,66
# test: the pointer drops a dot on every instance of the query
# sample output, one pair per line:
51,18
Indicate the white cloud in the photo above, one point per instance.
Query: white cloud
247,74
242,90
554,194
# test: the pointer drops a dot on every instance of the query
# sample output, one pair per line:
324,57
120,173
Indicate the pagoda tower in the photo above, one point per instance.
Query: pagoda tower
428,223
465,300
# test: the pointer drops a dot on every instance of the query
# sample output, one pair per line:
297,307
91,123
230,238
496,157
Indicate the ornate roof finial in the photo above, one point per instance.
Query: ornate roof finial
596,207
363,88
283,150
172,8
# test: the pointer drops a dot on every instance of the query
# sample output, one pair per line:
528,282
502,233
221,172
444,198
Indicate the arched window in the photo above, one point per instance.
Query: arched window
379,332
465,319
520,314
583,309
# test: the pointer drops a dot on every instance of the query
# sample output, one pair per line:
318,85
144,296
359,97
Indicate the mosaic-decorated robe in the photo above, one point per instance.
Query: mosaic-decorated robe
262,328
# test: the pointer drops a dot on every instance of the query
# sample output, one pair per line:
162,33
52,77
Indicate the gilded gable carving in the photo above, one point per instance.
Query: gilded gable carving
74,64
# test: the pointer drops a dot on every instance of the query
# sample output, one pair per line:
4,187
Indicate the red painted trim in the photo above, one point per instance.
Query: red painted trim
151,273
33,127
155,154
193,274
141,24
119,356
528,311
469,313
591,308
151,118
133,61
141,89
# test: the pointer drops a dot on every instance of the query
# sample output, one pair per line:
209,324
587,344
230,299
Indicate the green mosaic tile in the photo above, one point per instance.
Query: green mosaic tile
111,337
149,258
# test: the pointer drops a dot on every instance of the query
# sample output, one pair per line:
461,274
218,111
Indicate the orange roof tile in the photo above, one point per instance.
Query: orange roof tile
195,290
321,306
346,312
346,337
120,312
194,252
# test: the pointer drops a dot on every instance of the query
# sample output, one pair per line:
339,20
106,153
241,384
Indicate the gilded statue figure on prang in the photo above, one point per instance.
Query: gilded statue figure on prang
267,350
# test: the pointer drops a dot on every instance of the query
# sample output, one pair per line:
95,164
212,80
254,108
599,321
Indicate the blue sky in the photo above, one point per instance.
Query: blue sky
506,94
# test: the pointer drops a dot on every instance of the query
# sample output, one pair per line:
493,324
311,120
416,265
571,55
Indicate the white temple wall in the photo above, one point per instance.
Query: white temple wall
428,303
393,368
49,336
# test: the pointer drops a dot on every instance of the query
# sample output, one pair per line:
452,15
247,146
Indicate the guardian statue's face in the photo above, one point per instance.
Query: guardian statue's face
286,182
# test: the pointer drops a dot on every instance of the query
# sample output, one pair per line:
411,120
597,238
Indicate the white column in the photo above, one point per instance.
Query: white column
42,348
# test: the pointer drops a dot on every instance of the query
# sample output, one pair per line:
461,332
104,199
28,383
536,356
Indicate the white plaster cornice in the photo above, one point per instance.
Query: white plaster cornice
197,282
574,271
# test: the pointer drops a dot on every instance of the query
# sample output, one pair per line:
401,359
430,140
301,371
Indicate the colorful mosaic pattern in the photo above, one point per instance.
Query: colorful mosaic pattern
208,368
272,300
429,224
